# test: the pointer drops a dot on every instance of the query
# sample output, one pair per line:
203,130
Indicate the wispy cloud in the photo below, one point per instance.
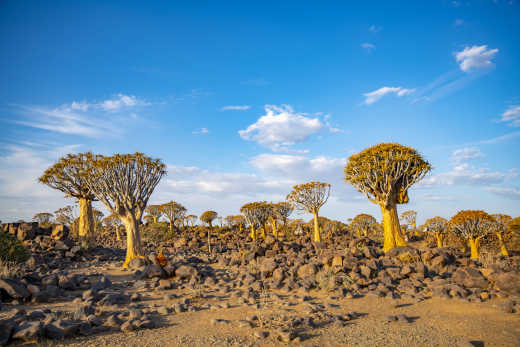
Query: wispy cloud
369,47
466,154
375,29
281,127
511,116
235,108
201,131
499,139
376,95
475,58
510,193
465,175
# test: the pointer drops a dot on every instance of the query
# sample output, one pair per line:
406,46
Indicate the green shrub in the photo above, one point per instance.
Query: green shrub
11,249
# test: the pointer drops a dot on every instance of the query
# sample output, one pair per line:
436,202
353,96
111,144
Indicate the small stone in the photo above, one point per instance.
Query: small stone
261,334
162,310
127,327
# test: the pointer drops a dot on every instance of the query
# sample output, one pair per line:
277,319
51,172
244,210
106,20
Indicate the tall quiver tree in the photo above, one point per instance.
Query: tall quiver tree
69,175
500,229
384,173
154,211
410,218
310,197
173,211
281,211
250,212
124,184
208,217
472,226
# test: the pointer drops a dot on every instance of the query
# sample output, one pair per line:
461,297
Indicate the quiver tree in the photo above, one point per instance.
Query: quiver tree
281,211
155,211
251,213
362,224
43,217
65,215
69,175
471,226
263,212
410,218
114,221
239,221
98,216
438,227
208,217
192,219
384,173
173,211
124,184
500,228
310,197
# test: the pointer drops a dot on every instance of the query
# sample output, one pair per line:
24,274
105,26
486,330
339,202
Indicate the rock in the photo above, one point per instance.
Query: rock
278,275
127,327
14,288
60,232
162,310
267,266
406,255
307,271
287,336
34,260
26,231
470,278
137,263
28,331
508,282
61,329
6,329
261,334
153,271
179,243
165,284
103,283
114,299
186,272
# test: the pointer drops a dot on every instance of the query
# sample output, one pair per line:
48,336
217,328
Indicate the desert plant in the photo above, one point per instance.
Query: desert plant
154,211
384,173
410,218
173,211
256,214
208,217
65,215
124,183
471,226
11,249
310,197
362,224
43,217
69,175
500,229
438,227
281,211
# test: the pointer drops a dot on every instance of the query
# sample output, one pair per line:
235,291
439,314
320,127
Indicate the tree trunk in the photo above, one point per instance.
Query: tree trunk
365,232
473,245
275,233
118,233
86,221
503,249
415,231
253,232
392,229
439,240
154,218
171,226
317,236
358,233
263,231
209,243
133,239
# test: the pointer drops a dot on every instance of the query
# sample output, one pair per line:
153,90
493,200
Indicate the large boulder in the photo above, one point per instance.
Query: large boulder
60,232
28,331
267,266
186,272
27,231
14,288
508,282
470,277
307,271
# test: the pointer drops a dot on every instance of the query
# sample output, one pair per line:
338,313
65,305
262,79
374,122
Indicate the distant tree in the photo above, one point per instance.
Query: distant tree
43,217
98,217
173,211
155,211
281,211
438,227
514,225
310,197
192,219
124,184
362,224
409,217
251,212
239,221
69,176
208,217
472,226
114,221
500,229
65,215
149,219
219,218
384,173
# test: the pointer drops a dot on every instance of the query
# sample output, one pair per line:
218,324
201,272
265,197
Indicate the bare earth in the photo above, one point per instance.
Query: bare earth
432,322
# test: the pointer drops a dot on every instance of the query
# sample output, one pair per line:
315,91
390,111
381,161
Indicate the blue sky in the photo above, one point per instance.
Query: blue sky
243,100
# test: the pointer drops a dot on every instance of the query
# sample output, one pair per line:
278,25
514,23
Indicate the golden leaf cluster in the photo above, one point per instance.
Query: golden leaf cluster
309,197
470,224
208,216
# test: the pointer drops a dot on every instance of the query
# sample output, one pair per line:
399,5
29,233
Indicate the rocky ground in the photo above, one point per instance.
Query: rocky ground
341,292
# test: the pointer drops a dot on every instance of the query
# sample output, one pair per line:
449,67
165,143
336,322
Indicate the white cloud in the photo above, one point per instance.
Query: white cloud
374,96
281,127
200,131
512,116
465,154
475,57
235,108
465,175
510,193
368,46
375,29
434,197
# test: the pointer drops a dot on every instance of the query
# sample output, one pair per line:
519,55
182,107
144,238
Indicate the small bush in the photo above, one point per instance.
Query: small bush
11,249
